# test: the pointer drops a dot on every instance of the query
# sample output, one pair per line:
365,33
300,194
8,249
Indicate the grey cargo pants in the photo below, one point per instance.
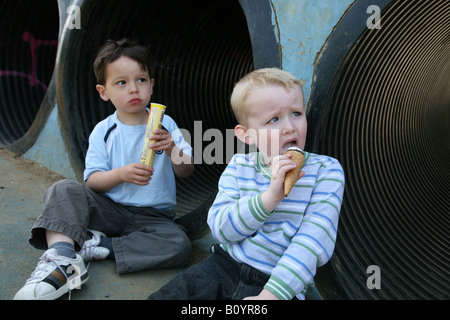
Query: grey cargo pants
142,238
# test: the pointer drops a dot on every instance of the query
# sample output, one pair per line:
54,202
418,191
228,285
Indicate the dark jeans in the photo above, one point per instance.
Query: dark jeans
218,277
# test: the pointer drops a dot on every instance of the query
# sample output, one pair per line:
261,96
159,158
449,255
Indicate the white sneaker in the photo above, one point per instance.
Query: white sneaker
53,277
91,250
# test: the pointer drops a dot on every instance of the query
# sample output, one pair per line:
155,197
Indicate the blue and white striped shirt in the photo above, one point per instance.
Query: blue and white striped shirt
292,241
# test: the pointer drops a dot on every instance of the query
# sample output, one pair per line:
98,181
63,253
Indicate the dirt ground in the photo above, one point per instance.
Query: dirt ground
33,171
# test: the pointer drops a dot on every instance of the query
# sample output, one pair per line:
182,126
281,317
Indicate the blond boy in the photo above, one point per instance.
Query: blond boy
269,245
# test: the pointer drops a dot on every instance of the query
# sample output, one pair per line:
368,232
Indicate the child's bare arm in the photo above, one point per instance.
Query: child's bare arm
137,173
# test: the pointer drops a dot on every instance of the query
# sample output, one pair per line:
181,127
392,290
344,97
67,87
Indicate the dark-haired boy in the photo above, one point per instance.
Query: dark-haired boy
125,212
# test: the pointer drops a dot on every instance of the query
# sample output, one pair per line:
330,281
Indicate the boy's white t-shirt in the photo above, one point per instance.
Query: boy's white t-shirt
113,144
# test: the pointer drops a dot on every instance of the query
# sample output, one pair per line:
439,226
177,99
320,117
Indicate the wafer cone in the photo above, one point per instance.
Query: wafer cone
291,176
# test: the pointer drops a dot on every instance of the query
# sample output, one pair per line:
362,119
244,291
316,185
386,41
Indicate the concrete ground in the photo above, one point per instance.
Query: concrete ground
22,187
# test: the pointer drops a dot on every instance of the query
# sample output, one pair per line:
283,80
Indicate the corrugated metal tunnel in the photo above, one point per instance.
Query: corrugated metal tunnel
386,116
201,49
379,103
29,33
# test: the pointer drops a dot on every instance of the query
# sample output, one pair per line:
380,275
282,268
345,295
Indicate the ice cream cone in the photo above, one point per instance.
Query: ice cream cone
291,176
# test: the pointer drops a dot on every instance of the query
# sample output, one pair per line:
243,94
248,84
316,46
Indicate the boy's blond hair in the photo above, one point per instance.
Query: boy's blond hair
257,79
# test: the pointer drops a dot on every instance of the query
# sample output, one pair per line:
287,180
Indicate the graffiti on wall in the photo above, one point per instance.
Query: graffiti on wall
32,76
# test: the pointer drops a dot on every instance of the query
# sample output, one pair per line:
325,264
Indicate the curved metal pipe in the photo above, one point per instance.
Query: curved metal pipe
29,38
201,47
385,117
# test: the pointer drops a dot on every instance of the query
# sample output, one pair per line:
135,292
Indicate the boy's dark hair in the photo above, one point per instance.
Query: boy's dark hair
113,50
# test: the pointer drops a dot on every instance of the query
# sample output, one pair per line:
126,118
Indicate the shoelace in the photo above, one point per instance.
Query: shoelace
88,252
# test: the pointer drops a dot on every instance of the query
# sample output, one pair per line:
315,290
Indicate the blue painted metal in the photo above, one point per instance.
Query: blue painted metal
303,27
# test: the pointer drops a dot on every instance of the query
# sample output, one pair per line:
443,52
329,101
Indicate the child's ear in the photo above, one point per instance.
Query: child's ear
243,134
102,91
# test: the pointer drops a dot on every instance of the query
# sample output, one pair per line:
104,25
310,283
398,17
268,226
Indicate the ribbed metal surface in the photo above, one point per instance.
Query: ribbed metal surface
202,48
24,81
387,120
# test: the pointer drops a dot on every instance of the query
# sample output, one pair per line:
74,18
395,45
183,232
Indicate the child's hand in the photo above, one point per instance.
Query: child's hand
163,140
182,164
137,173
103,181
263,295
275,193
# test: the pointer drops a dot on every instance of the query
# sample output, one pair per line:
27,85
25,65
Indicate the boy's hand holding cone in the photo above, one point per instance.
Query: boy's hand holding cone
291,177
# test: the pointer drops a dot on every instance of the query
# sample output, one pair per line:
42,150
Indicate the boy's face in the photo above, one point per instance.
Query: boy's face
128,86
276,119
